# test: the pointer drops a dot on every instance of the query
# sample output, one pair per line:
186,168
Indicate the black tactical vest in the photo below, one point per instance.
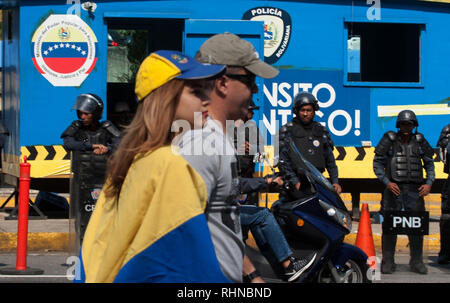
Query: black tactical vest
405,166
89,163
99,136
310,142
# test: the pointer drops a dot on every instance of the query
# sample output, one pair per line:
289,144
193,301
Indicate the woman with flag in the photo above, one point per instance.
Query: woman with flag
149,223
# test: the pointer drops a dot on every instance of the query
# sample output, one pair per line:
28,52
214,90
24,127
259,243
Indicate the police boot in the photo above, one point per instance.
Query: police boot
388,250
416,253
444,226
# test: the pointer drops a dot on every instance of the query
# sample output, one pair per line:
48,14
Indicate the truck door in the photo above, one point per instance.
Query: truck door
197,31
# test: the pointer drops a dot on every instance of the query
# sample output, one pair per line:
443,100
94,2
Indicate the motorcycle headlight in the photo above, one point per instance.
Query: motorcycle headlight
341,217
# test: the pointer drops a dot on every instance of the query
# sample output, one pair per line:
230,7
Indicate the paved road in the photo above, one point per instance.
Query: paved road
59,268
436,273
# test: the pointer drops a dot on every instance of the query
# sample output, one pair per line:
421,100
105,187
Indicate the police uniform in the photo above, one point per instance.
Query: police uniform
315,144
444,223
401,163
88,169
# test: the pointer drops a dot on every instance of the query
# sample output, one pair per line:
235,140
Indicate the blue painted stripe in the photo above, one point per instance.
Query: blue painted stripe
64,49
185,255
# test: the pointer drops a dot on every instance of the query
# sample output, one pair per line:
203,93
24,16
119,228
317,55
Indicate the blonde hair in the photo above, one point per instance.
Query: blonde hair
149,130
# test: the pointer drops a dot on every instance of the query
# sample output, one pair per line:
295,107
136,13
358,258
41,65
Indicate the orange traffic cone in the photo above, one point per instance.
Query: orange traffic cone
364,238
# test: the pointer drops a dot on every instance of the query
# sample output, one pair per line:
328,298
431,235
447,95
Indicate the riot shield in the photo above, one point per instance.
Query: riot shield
88,176
405,230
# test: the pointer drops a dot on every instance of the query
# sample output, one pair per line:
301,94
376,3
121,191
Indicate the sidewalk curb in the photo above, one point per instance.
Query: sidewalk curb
54,241
431,243
40,241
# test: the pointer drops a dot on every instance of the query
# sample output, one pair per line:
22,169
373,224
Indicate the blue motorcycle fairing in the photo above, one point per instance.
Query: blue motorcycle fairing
346,252
310,211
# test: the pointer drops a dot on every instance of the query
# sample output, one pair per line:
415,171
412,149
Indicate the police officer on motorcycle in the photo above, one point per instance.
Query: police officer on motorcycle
444,223
398,163
311,138
91,142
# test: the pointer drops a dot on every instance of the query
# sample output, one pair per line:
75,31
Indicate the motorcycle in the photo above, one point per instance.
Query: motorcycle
315,219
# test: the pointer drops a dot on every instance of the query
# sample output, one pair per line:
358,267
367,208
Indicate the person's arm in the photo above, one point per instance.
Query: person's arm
113,144
428,163
71,143
249,185
286,167
330,163
379,163
382,152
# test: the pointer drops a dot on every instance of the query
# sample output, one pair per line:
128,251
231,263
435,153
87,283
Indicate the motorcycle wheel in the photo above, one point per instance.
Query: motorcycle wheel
357,273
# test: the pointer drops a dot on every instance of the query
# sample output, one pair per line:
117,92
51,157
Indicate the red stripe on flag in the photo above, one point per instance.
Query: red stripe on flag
64,65
92,66
37,66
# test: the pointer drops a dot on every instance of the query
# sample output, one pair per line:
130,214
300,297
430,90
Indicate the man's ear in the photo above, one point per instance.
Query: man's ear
221,85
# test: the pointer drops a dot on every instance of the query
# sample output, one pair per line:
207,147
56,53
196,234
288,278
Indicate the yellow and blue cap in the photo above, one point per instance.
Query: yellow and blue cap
162,66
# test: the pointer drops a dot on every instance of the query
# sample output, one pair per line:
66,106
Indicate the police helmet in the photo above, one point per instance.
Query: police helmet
89,103
408,116
305,98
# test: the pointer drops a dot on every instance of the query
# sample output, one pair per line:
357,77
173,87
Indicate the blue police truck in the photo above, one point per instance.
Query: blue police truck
364,60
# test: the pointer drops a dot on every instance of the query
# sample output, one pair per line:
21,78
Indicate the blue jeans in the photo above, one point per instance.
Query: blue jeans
266,231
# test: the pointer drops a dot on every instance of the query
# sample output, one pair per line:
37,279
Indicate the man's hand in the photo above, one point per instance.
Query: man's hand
297,186
337,187
424,190
275,182
393,187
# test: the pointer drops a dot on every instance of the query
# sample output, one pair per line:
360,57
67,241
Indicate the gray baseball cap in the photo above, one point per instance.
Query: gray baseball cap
229,49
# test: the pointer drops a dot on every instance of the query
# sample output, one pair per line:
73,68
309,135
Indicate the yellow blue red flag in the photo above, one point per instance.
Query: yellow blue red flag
156,231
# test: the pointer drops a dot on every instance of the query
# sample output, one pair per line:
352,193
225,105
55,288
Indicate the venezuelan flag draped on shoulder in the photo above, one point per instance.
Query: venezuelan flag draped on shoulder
155,231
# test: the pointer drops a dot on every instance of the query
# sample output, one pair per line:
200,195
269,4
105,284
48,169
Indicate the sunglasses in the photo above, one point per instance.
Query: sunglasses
248,79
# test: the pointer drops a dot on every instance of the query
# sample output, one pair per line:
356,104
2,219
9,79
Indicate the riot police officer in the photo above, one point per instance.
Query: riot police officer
91,142
87,133
444,223
311,138
398,163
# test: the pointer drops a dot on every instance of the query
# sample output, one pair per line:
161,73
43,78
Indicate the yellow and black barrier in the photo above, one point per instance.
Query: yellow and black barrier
47,161
357,162
353,162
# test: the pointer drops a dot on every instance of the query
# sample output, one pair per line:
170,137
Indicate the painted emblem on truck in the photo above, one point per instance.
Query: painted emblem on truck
277,30
64,50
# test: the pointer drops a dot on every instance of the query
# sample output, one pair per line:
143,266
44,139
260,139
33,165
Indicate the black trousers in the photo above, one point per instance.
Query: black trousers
408,200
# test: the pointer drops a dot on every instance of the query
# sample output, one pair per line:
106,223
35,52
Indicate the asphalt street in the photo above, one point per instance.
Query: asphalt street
57,267
60,268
